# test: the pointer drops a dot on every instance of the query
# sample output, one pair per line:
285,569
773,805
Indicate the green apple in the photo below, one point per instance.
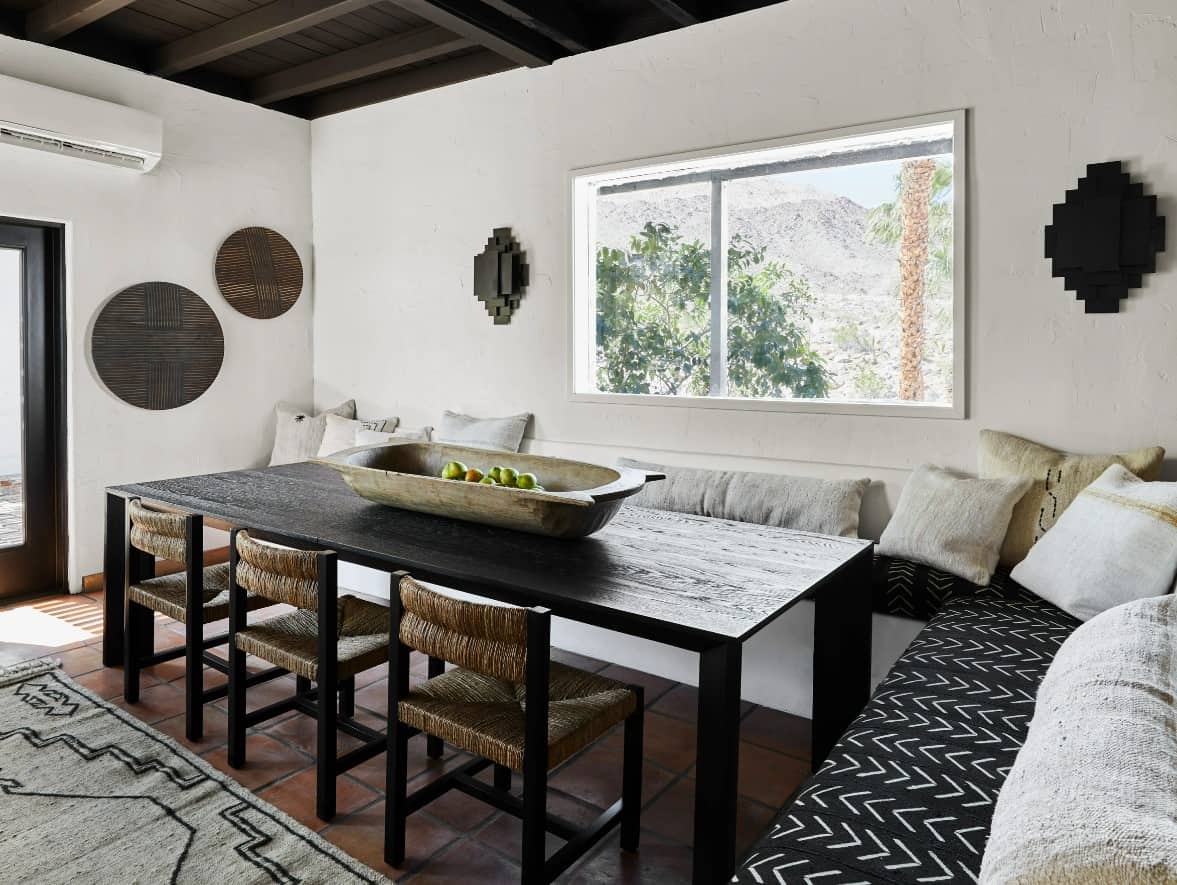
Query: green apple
526,481
454,470
495,473
488,480
474,475
508,476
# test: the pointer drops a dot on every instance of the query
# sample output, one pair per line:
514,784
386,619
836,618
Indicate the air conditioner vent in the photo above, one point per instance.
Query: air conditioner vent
45,119
70,148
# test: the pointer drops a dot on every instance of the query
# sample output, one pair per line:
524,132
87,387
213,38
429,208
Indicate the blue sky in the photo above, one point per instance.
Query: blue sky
868,184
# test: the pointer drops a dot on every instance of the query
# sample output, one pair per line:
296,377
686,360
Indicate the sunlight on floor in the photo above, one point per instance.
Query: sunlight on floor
51,624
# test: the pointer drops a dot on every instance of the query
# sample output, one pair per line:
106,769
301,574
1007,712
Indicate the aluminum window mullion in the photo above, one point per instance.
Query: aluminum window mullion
719,285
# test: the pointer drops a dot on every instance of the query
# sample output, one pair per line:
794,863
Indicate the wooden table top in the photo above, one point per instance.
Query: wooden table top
690,581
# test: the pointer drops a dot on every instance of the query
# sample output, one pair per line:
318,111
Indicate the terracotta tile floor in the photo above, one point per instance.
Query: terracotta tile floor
456,838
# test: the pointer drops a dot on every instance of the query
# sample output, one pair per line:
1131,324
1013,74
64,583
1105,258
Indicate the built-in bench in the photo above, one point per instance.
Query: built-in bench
908,792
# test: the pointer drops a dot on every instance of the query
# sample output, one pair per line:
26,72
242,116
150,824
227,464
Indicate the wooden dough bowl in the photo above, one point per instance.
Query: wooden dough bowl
579,498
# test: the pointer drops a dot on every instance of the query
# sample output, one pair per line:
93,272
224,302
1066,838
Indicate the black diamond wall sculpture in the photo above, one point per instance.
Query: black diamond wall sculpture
1105,237
500,275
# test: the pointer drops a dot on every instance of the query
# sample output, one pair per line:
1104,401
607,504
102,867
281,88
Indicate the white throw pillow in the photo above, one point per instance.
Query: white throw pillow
299,434
401,434
340,433
1117,542
952,522
500,434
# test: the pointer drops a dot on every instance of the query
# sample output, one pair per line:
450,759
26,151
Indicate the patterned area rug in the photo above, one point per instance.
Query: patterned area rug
90,794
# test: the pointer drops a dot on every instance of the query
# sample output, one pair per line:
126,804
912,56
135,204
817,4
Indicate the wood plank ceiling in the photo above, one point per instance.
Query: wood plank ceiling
316,57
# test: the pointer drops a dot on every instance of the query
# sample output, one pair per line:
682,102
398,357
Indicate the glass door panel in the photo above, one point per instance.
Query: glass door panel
32,413
12,521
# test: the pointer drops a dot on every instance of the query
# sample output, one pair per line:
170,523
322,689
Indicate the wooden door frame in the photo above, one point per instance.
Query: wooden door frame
50,337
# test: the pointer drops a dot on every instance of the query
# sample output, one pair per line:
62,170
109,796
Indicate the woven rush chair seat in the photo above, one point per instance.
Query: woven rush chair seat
292,640
324,642
177,537
168,594
511,706
487,716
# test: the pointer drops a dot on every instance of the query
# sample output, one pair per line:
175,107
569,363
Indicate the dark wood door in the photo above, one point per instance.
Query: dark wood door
32,398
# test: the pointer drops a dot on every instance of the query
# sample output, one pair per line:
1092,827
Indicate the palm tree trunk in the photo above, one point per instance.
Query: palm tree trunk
915,191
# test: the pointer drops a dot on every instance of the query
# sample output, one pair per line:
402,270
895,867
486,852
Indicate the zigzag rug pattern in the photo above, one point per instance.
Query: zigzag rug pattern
907,794
100,794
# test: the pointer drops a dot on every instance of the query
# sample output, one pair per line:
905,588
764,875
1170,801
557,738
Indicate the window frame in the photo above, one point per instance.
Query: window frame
582,266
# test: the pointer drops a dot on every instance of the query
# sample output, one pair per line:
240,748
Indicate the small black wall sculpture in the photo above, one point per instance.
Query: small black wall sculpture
1105,237
500,275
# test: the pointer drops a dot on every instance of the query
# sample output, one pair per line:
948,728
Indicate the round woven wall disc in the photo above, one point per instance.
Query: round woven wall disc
259,272
157,345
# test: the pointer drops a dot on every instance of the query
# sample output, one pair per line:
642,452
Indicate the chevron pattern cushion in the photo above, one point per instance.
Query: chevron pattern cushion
907,794
912,590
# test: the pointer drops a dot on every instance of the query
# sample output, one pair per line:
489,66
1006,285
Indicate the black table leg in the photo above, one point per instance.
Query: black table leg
841,652
114,568
717,765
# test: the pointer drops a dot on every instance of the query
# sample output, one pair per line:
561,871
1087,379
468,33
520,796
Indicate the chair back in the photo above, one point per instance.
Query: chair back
280,574
489,639
158,532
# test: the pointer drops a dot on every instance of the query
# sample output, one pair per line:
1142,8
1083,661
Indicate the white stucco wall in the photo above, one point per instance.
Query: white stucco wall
406,192
226,165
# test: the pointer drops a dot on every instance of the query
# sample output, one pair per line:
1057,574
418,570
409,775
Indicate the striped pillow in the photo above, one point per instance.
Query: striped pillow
1116,543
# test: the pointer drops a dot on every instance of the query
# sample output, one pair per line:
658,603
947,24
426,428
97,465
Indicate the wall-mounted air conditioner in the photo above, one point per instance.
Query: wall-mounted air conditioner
47,119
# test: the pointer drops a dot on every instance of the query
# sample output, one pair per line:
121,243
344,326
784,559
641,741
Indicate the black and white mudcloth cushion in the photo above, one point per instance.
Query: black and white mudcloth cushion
908,792
913,590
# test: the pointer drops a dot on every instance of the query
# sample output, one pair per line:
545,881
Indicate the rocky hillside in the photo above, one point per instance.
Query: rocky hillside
819,236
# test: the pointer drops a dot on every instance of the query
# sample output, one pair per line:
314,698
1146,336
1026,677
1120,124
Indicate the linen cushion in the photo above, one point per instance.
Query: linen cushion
952,522
500,434
340,433
401,434
1117,542
828,507
1057,478
1091,795
907,793
298,434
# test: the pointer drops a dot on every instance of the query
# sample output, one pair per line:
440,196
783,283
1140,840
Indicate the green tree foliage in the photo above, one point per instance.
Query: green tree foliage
654,320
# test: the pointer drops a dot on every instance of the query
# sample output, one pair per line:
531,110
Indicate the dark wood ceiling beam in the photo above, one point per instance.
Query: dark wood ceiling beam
488,28
682,12
261,25
556,21
443,73
57,18
381,56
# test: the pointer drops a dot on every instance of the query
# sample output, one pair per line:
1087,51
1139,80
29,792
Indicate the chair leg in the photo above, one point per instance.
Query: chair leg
535,813
237,676
347,698
631,777
396,791
193,681
139,642
435,746
502,778
325,763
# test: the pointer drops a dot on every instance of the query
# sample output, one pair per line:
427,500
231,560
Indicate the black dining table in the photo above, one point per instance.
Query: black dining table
696,583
